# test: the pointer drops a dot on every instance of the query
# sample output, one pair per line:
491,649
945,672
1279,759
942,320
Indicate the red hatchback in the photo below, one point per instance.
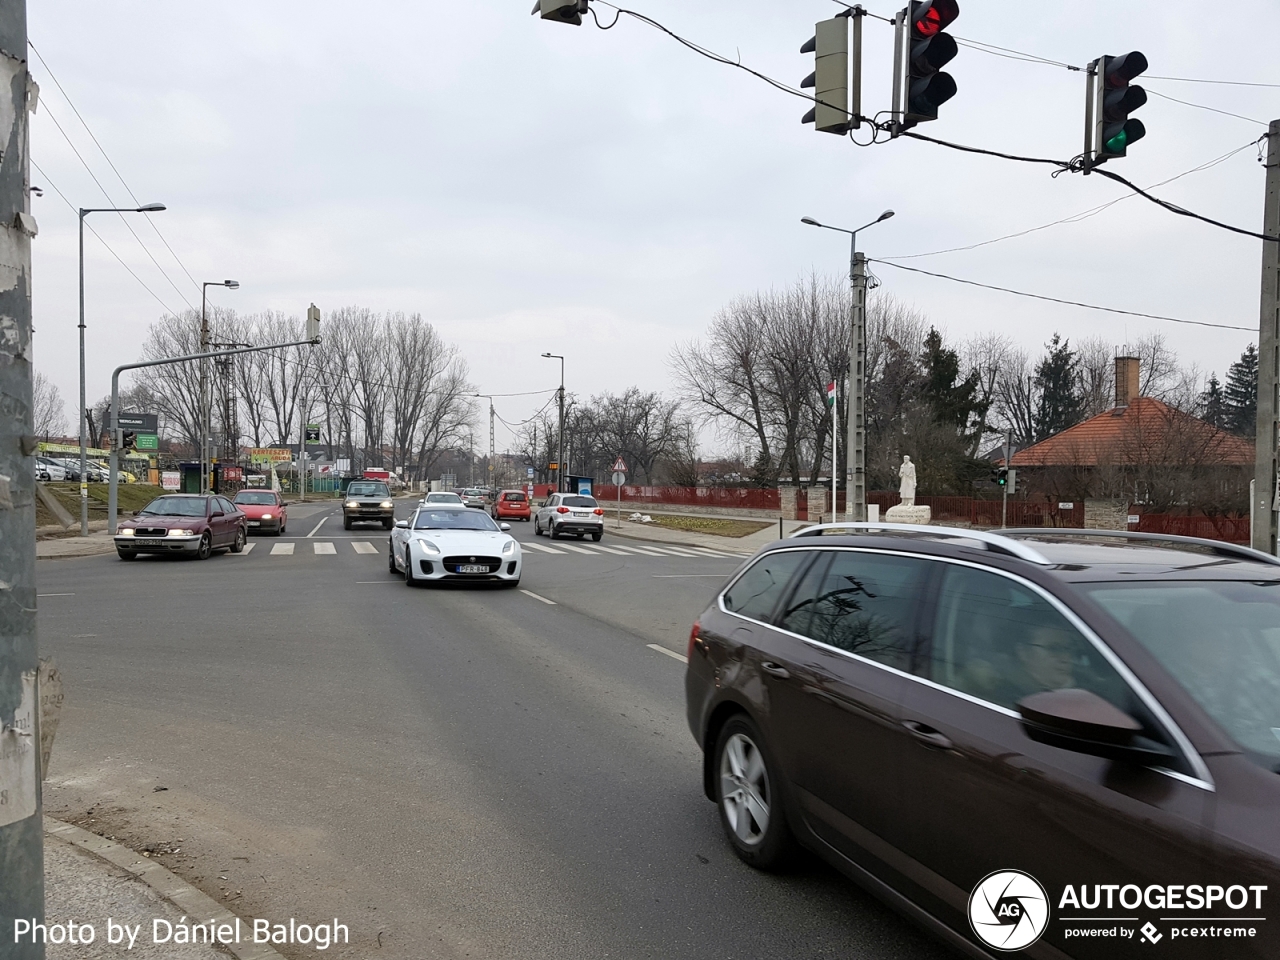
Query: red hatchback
511,505
264,510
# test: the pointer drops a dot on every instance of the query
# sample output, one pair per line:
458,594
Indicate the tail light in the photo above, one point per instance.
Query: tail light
562,509
693,639
598,512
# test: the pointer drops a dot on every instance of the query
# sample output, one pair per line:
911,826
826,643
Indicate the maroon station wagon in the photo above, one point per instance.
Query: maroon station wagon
187,524
1059,743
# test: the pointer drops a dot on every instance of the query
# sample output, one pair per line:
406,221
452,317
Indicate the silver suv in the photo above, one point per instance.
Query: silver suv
565,513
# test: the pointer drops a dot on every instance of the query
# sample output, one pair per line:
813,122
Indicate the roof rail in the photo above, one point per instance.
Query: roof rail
1222,549
992,541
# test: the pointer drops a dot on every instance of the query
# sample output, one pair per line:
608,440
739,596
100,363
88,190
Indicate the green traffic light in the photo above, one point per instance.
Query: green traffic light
1130,132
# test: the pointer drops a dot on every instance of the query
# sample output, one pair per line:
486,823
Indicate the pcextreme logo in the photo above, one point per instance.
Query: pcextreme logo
1008,910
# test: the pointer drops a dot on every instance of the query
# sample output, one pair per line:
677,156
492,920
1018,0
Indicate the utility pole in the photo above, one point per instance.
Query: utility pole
560,456
1004,503
1266,491
856,449
21,845
492,465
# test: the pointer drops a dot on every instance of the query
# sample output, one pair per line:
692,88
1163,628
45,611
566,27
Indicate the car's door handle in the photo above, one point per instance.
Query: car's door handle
928,736
775,670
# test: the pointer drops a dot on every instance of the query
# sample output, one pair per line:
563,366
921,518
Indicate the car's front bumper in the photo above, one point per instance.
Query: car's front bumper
159,544
368,514
433,569
264,526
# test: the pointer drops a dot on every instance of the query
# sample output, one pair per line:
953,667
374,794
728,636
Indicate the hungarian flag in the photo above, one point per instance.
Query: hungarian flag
831,394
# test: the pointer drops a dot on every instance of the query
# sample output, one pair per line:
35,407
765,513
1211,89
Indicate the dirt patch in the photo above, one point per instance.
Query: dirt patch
713,525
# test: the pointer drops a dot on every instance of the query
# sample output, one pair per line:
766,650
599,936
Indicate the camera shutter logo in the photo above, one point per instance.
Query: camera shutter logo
1008,910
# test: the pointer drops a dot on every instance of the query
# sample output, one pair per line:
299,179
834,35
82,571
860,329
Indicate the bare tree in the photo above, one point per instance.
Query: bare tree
49,411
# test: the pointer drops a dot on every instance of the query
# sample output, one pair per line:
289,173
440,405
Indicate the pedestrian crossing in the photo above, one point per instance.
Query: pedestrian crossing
327,548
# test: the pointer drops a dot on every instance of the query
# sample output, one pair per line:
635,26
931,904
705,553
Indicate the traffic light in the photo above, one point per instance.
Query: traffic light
928,49
129,440
1001,476
563,11
1115,97
839,102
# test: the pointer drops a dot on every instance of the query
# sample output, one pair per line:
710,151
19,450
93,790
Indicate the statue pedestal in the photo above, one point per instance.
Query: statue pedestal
901,514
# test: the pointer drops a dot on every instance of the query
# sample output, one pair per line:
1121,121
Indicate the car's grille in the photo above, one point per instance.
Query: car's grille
150,532
451,564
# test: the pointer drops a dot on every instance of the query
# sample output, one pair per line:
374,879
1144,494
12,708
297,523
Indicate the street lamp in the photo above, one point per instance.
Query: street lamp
205,385
855,471
560,455
84,453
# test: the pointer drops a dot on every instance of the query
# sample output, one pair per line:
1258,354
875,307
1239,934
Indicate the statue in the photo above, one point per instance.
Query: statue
907,489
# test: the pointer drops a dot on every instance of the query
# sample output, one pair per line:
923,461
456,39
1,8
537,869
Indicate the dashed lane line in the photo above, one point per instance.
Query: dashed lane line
363,546
530,593
670,653
324,548
282,550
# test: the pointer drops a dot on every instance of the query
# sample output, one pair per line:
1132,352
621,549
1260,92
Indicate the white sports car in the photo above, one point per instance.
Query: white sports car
445,541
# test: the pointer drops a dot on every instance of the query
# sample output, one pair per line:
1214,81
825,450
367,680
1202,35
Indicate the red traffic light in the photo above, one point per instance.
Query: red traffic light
930,18
1121,70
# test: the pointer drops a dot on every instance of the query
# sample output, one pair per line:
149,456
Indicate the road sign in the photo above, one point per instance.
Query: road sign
619,478
530,473
313,433
620,465
139,422
147,441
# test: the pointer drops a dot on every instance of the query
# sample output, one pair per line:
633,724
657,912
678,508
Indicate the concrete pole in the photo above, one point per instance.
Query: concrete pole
855,447
84,466
21,845
1266,491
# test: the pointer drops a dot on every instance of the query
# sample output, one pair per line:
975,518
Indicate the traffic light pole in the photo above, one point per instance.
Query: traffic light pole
856,468
112,492
1266,491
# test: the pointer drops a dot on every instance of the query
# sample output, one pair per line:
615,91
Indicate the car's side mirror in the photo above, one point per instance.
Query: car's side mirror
402,524
137,512
1082,722
504,527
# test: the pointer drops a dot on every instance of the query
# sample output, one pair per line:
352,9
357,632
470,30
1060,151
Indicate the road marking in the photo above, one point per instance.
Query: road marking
324,548
708,553
530,593
313,532
670,653
678,551
565,546
248,548
360,582
38,595
538,546
282,550
363,546
643,551
613,550
686,576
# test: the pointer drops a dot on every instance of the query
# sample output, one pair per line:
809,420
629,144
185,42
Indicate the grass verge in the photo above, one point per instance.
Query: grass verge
712,525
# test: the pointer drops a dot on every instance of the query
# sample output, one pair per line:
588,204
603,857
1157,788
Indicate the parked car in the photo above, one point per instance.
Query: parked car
49,470
511,505
189,524
565,513
476,497
70,468
264,511
122,476
452,542
983,729
368,501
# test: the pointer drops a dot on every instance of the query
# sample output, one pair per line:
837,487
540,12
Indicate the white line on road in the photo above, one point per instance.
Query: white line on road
324,548
38,595
363,546
678,552
360,582
645,551
318,526
613,550
670,653
530,593
686,576
589,553
282,550
248,549
708,553
538,546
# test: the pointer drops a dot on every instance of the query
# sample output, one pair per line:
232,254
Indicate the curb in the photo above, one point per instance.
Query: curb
167,884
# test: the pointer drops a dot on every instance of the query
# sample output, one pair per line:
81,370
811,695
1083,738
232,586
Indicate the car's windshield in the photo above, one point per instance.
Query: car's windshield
368,490
248,496
443,498
1221,641
175,507
453,520
474,493
513,497
579,502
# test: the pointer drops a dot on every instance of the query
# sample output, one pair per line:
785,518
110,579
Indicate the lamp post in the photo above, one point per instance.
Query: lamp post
84,453
560,444
205,401
856,470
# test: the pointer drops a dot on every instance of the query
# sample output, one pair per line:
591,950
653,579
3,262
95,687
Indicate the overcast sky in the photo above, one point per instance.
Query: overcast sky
529,186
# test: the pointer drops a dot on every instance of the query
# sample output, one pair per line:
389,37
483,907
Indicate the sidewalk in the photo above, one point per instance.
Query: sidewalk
64,548
89,879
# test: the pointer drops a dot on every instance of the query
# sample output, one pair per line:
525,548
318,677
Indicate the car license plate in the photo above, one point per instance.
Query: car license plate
255,523
149,543
581,514
473,568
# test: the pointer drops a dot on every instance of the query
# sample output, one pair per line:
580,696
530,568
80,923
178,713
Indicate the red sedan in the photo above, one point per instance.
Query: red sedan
511,504
264,510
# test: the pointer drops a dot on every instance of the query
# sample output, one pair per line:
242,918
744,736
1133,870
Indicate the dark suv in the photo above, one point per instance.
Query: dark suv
1050,741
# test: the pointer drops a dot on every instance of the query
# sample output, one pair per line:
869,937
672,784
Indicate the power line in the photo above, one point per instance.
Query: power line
74,209
1201,106
1069,303
1229,83
105,156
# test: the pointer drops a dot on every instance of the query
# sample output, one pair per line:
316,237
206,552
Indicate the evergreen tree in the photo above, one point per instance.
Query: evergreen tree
954,402
1240,395
1213,409
1057,376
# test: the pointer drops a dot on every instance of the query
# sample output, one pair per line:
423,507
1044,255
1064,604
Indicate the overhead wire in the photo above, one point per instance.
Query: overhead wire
1201,106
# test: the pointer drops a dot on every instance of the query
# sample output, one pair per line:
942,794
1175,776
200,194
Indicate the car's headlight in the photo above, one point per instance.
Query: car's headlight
266,516
429,548
179,533
351,503
126,532
387,504
509,547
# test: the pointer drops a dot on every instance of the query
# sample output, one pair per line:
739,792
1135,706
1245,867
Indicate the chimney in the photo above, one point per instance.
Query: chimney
1127,381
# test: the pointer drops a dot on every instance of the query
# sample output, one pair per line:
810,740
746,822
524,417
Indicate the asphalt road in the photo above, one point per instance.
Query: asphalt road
451,772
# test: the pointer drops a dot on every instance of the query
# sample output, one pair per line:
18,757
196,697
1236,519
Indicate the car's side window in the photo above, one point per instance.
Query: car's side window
796,614
1000,641
756,593
866,604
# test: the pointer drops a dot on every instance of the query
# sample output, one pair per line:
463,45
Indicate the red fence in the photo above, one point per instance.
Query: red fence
1227,529
752,498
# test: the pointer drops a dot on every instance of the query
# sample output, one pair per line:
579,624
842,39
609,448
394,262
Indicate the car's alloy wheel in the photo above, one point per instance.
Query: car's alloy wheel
409,579
205,548
238,546
746,793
